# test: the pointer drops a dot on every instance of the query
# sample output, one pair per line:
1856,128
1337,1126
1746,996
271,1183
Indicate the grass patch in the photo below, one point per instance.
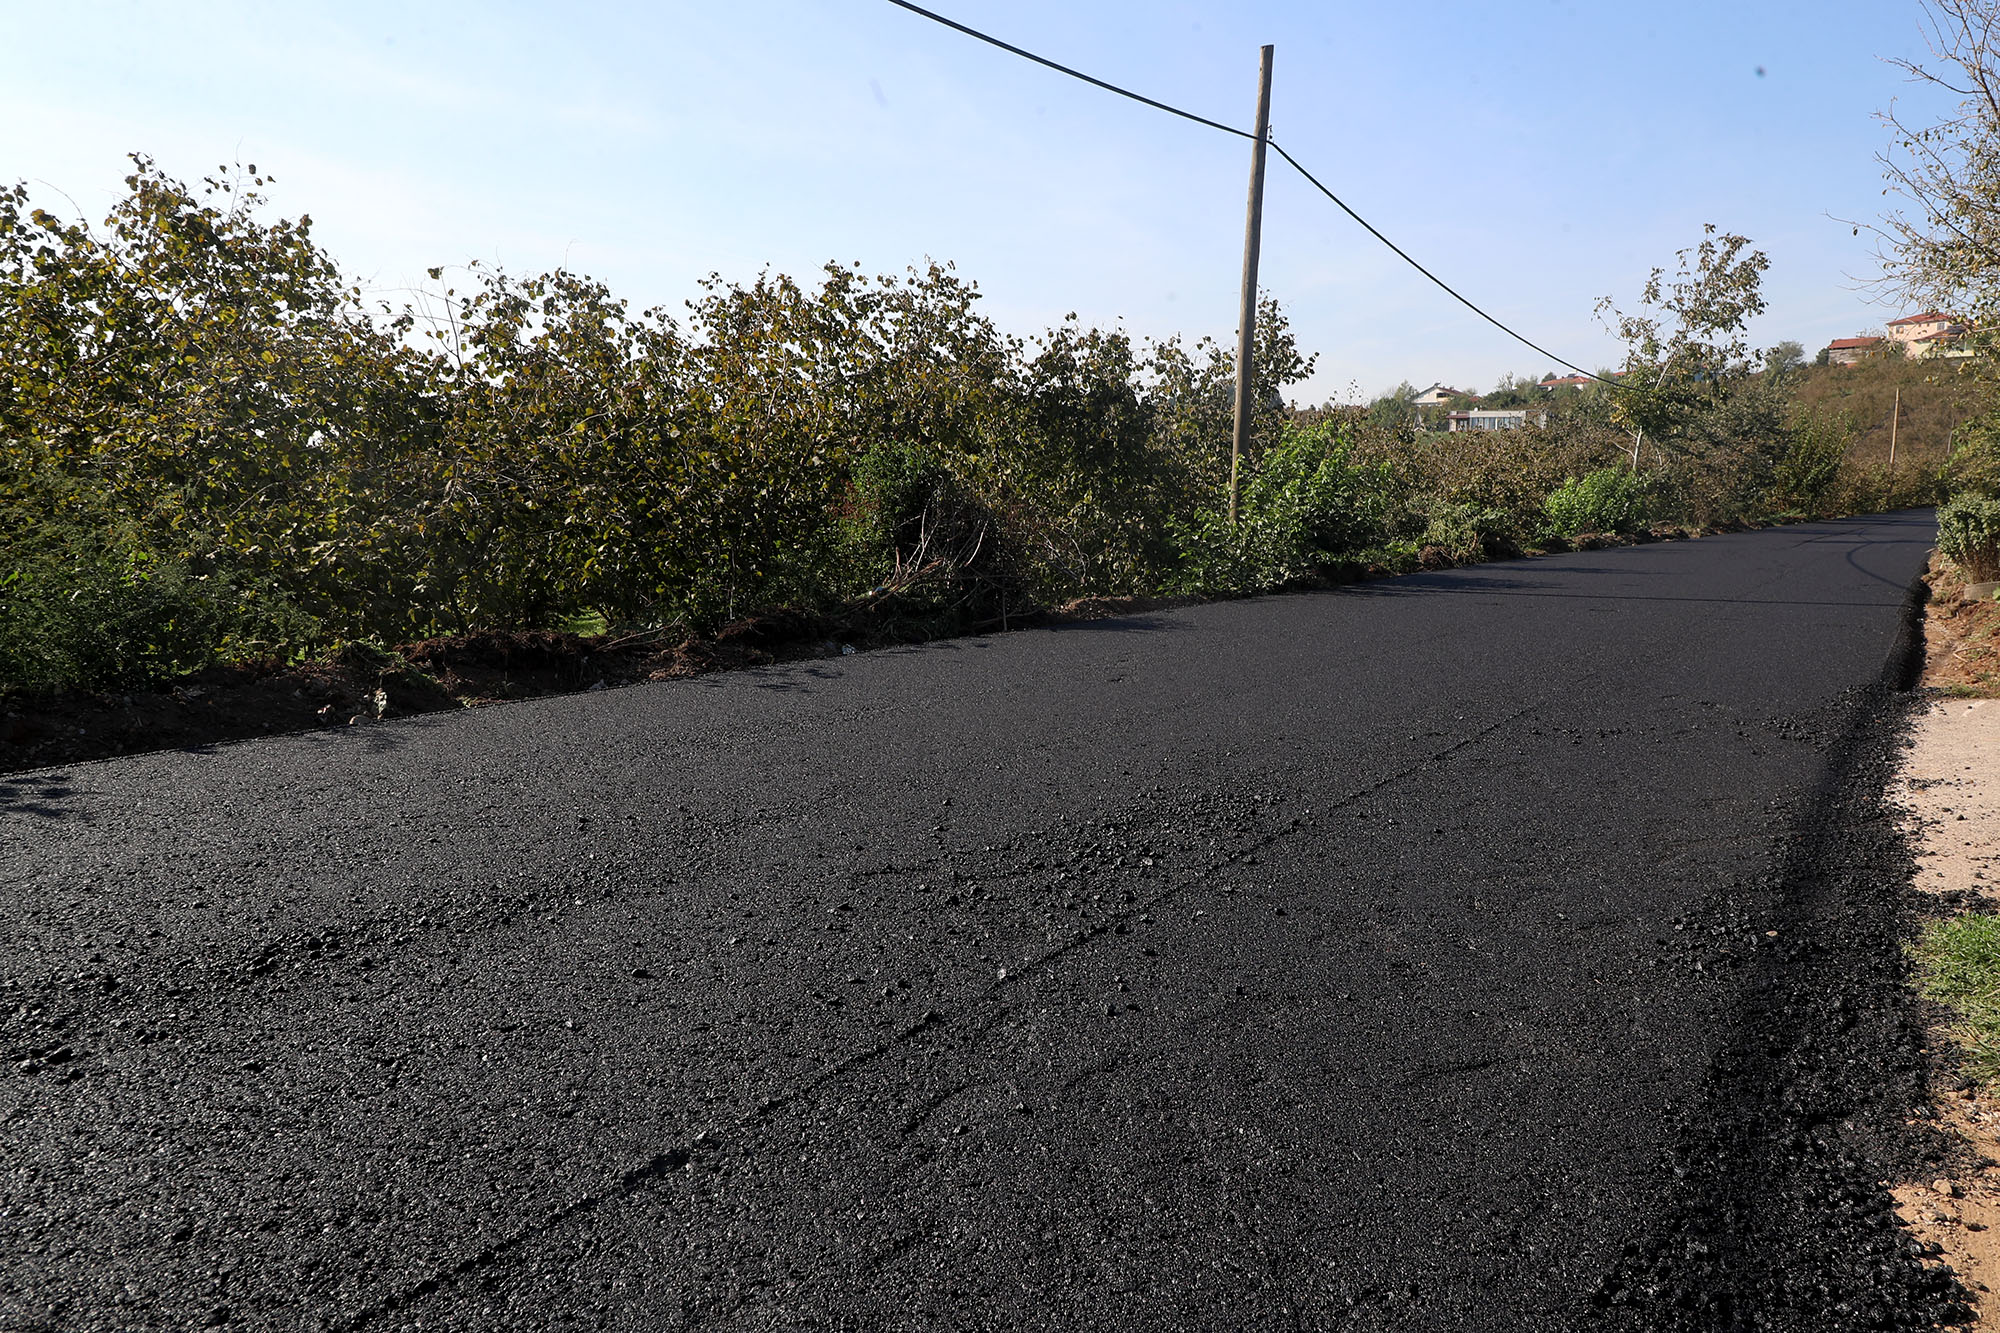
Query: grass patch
589,624
1958,966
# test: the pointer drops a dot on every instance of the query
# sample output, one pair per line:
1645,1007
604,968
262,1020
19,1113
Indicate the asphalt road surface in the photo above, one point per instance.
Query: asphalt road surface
1507,948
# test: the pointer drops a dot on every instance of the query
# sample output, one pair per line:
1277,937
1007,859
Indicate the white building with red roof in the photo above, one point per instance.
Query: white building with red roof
1929,334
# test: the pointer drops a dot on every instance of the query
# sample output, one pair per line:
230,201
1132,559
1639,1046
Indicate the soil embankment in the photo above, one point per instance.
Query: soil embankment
1950,788
1961,636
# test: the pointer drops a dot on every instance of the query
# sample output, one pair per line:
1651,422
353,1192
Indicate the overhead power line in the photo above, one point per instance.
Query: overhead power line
1311,179
1011,49
1442,285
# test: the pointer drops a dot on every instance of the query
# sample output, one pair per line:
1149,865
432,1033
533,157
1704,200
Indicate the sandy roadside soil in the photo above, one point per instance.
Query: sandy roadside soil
1950,785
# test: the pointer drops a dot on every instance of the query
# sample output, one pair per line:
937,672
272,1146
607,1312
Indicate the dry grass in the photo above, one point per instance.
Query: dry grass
1936,396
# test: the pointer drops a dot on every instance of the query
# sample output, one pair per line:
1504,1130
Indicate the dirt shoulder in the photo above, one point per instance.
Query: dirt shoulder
1950,788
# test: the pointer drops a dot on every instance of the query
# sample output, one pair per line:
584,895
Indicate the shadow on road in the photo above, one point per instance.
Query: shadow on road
1479,586
1118,625
784,682
1869,573
43,795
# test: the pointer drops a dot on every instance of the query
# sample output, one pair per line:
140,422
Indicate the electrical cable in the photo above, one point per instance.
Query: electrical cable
1170,109
1073,73
1442,285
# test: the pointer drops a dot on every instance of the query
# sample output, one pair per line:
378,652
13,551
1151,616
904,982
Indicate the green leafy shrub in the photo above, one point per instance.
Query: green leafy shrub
1969,532
1306,506
1874,488
1396,556
898,490
91,622
1810,467
917,535
1607,500
1476,494
1463,534
1975,465
1311,484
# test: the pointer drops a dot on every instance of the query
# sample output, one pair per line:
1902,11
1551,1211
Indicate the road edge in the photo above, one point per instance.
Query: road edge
1777,1212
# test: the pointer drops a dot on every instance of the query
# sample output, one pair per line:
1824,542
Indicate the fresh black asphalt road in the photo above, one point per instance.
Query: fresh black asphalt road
1512,947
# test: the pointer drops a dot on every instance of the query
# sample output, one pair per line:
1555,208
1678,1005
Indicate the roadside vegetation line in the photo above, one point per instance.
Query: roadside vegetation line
214,450
362,683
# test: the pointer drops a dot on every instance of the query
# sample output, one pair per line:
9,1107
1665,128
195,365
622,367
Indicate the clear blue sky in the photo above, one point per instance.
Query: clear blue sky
1538,154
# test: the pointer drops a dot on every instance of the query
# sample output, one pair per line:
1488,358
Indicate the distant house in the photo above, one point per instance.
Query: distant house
1929,334
1493,418
1945,342
1566,381
1438,394
1913,329
1846,351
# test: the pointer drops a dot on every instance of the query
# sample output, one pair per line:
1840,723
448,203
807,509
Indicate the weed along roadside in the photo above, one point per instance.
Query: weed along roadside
1949,786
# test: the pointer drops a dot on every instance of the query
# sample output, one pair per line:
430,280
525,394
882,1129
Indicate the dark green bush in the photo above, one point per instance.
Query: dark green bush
1807,473
1969,532
1607,500
1307,506
1974,466
92,622
1459,534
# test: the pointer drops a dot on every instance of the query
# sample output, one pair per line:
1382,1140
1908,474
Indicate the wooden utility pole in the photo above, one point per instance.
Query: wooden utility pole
1246,323
1895,417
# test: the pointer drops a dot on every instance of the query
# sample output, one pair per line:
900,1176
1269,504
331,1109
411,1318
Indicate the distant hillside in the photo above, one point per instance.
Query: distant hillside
1935,399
